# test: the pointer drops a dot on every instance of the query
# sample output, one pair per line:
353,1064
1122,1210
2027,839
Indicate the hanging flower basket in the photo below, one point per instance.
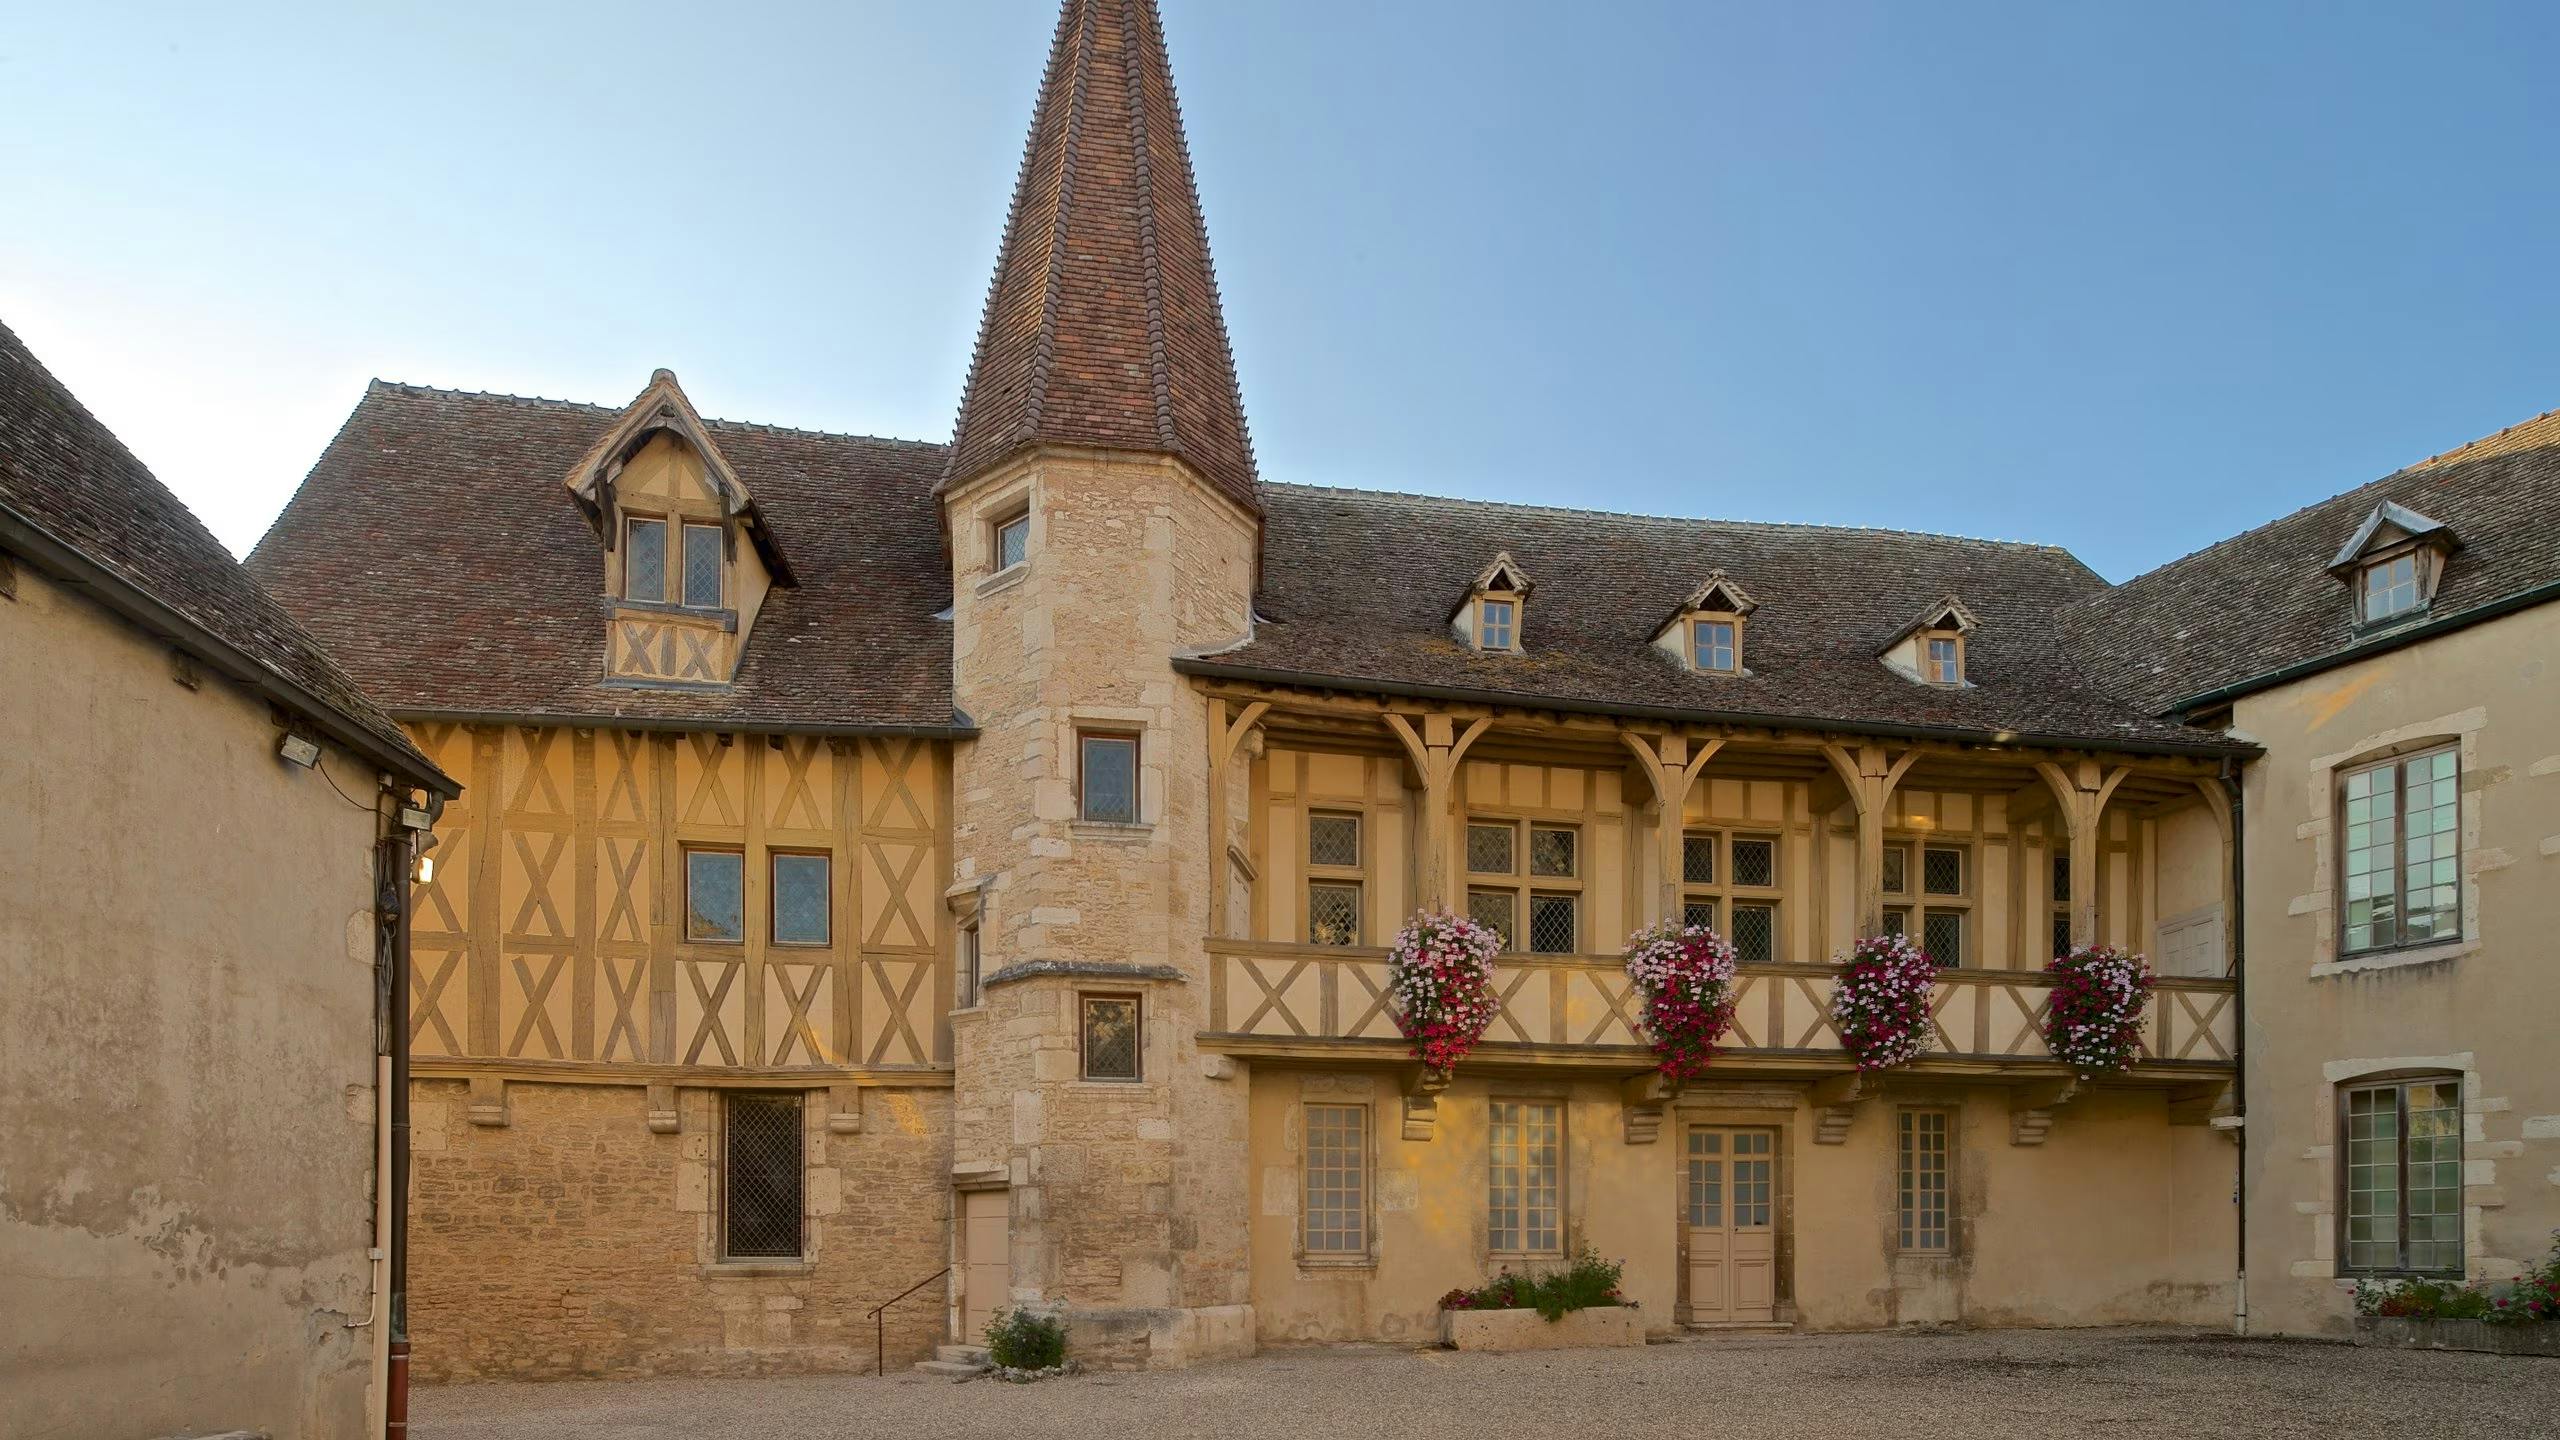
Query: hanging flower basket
1686,976
1880,1004
1440,979
2094,1024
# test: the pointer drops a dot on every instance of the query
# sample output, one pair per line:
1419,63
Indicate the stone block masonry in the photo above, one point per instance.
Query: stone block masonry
572,1241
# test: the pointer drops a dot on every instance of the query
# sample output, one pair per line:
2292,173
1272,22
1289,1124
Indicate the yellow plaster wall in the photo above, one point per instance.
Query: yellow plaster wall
186,1048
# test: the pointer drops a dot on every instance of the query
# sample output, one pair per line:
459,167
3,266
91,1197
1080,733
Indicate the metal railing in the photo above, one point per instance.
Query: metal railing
880,1326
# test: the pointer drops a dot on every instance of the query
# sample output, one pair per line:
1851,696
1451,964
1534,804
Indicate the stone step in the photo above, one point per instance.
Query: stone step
952,1368
961,1354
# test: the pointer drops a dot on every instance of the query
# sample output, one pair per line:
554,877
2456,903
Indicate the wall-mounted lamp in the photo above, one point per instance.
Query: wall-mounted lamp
298,751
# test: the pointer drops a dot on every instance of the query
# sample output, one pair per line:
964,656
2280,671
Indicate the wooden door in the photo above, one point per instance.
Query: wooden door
1728,1229
986,1260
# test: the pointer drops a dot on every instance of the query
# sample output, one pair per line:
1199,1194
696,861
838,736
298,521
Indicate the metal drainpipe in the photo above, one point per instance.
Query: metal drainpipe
391,930
2237,927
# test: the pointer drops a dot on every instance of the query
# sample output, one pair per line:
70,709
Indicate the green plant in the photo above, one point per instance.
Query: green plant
1019,1339
1588,1283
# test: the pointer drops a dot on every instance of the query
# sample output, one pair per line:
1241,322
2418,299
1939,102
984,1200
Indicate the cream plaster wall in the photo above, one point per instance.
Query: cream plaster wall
2482,1007
186,1050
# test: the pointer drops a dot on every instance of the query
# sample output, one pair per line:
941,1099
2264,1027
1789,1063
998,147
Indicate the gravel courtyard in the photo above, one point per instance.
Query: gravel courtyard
2042,1384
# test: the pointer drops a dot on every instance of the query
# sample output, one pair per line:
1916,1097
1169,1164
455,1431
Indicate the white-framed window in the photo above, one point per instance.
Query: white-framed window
1333,1212
2400,855
1524,1177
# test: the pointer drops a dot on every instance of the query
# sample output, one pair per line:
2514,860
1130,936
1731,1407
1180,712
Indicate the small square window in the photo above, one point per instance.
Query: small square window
1897,869
1493,909
644,559
1697,859
1334,841
1946,661
714,899
1551,852
1700,913
1755,934
1555,924
1333,913
1897,920
1489,849
1755,863
703,552
1111,1048
1013,540
1494,625
1107,778
1942,935
1942,870
1711,645
800,901
2391,587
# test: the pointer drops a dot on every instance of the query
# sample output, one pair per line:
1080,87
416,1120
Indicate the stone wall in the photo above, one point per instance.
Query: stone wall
574,1241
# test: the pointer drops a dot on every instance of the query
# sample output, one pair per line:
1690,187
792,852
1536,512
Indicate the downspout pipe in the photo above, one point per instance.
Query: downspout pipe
2237,927
392,854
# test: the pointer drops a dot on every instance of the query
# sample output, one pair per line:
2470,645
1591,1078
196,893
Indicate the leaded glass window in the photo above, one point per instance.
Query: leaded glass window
1107,778
800,909
1552,851
1333,841
760,1176
1755,934
1942,870
1697,859
702,557
1110,1037
2401,853
644,559
1701,913
1755,862
1013,540
1333,912
1335,1208
1489,849
714,898
2403,1145
1555,924
1897,870
1494,910
1942,935
1921,1187
1525,1178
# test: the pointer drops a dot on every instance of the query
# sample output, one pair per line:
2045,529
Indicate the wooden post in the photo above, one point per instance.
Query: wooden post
1225,737
1670,767
1435,750
1869,775
2080,797
2217,803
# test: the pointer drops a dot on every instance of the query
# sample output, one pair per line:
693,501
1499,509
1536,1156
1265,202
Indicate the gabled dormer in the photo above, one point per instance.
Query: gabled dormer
1705,632
2394,562
1489,617
1931,649
687,556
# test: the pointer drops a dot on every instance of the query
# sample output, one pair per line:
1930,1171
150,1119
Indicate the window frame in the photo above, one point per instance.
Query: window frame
1726,893
1930,639
2384,562
1732,625
997,527
729,1101
2397,763
969,970
774,856
739,852
1354,877
1563,1168
2399,1082
667,524
1510,622
681,571
2058,889
1085,1000
1908,1212
1364,1167
1926,904
1524,884
1112,735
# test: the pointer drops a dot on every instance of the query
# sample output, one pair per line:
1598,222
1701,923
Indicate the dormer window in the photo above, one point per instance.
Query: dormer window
644,559
1931,649
1705,631
2394,560
702,567
1489,617
1944,664
696,582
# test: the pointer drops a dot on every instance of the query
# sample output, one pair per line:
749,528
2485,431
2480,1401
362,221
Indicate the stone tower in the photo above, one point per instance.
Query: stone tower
1103,516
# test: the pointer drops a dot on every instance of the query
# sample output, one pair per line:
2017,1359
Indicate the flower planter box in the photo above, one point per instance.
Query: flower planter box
1500,1330
2541,1339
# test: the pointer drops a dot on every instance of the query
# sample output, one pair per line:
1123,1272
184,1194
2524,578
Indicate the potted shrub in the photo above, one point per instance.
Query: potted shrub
1577,1307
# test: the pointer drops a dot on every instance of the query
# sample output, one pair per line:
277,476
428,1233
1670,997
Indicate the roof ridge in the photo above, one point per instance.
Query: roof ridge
546,402
2495,435
1587,513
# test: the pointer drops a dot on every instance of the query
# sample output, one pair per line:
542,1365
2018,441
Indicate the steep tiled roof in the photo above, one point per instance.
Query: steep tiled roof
65,477
436,550
1102,324
2265,601
1357,587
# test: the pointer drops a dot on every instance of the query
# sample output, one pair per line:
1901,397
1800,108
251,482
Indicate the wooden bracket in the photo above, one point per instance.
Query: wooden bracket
2201,1104
1422,1103
1645,1098
1835,1105
844,1109
663,1118
2031,1109
488,1100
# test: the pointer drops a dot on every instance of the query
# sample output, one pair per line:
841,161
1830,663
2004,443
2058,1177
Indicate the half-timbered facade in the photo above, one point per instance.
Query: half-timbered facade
895,881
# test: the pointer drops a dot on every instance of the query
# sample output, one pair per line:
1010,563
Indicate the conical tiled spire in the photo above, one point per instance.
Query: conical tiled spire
1103,326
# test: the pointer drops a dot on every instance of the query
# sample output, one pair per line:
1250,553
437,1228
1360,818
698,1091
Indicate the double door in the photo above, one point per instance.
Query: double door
1728,1235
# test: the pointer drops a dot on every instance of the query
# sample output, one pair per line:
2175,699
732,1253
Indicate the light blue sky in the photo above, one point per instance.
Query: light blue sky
2121,278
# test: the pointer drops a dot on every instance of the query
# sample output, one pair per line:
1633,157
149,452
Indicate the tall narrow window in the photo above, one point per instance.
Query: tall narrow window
1946,918
644,559
1525,1178
714,899
970,964
1495,624
2402,854
1012,542
1335,1208
1921,1182
1945,660
760,1176
2403,1177
702,556
2061,904
1334,879
800,900
2390,587
1735,878
1536,905
1107,778
1110,1038
1711,645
